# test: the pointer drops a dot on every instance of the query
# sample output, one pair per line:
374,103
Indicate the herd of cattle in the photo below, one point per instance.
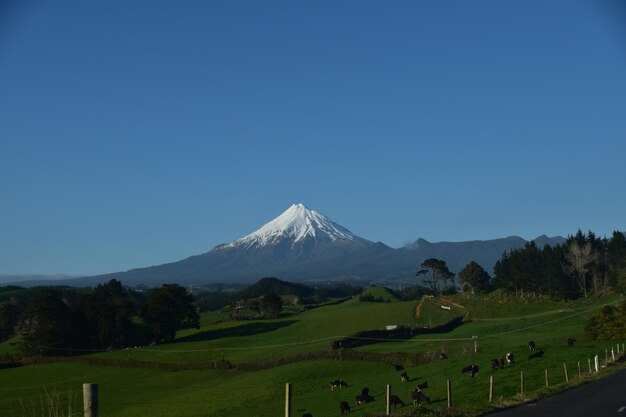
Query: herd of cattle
417,394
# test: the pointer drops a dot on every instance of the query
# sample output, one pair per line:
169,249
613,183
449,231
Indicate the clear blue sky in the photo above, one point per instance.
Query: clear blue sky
134,133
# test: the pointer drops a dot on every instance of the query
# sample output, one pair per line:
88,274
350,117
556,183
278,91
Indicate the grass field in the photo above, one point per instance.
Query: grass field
502,324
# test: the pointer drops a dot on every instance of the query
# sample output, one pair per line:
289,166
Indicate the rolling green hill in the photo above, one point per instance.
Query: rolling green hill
502,324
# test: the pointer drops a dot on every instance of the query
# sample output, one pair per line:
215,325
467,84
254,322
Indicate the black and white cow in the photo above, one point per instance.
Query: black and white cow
509,358
337,383
531,346
344,408
421,386
418,397
404,377
473,369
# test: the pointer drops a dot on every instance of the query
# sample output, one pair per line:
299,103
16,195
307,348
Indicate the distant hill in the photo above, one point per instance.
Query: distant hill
304,245
276,286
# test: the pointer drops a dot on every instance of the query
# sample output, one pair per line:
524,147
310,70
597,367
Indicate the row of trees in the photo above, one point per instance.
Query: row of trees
58,320
583,263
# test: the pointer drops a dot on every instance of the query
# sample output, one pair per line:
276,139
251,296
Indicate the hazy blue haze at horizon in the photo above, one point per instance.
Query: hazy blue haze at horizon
139,133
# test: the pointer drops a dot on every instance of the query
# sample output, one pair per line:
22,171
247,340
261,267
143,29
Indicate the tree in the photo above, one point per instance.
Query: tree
579,259
50,325
475,276
437,272
272,304
109,310
168,309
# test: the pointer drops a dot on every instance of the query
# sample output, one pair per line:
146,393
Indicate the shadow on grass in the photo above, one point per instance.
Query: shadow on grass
249,329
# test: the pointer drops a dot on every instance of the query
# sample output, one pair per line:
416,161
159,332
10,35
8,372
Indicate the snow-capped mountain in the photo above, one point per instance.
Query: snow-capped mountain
302,245
297,224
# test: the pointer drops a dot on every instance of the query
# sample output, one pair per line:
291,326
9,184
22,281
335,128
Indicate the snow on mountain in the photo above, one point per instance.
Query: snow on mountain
296,224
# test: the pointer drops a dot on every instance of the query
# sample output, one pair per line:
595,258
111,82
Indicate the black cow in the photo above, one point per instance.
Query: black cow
443,356
531,346
535,355
418,397
362,399
509,358
337,383
570,341
398,367
495,364
473,369
344,408
404,377
421,386
395,400
501,363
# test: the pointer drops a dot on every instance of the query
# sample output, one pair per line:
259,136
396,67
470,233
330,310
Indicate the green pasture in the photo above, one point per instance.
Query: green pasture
500,326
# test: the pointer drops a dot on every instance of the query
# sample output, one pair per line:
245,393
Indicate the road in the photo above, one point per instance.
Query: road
604,397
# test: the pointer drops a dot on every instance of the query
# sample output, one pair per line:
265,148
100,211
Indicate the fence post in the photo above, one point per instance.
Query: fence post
521,380
606,356
580,375
613,354
596,361
490,388
589,363
565,369
449,394
287,400
547,382
90,400
388,409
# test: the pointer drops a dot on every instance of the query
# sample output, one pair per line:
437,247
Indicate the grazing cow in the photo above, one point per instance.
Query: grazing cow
344,408
362,399
570,341
418,397
537,354
421,386
473,368
398,367
531,346
501,363
509,358
337,383
443,356
395,400
404,377
495,364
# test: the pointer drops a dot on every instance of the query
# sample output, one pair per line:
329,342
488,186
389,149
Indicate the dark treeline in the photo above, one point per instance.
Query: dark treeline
583,264
61,320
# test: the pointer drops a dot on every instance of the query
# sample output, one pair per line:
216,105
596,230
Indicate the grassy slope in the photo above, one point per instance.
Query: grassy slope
500,324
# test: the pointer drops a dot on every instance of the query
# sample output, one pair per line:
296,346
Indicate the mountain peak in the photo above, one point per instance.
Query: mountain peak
296,224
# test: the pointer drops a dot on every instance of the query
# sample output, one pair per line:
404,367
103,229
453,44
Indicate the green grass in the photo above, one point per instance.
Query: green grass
500,326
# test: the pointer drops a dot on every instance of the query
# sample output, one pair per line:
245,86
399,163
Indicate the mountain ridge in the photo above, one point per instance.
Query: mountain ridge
304,245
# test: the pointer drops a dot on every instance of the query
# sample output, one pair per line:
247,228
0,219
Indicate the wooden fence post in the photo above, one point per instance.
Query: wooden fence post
613,354
388,408
287,400
596,361
490,388
521,380
580,375
547,382
565,369
589,363
90,400
449,394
